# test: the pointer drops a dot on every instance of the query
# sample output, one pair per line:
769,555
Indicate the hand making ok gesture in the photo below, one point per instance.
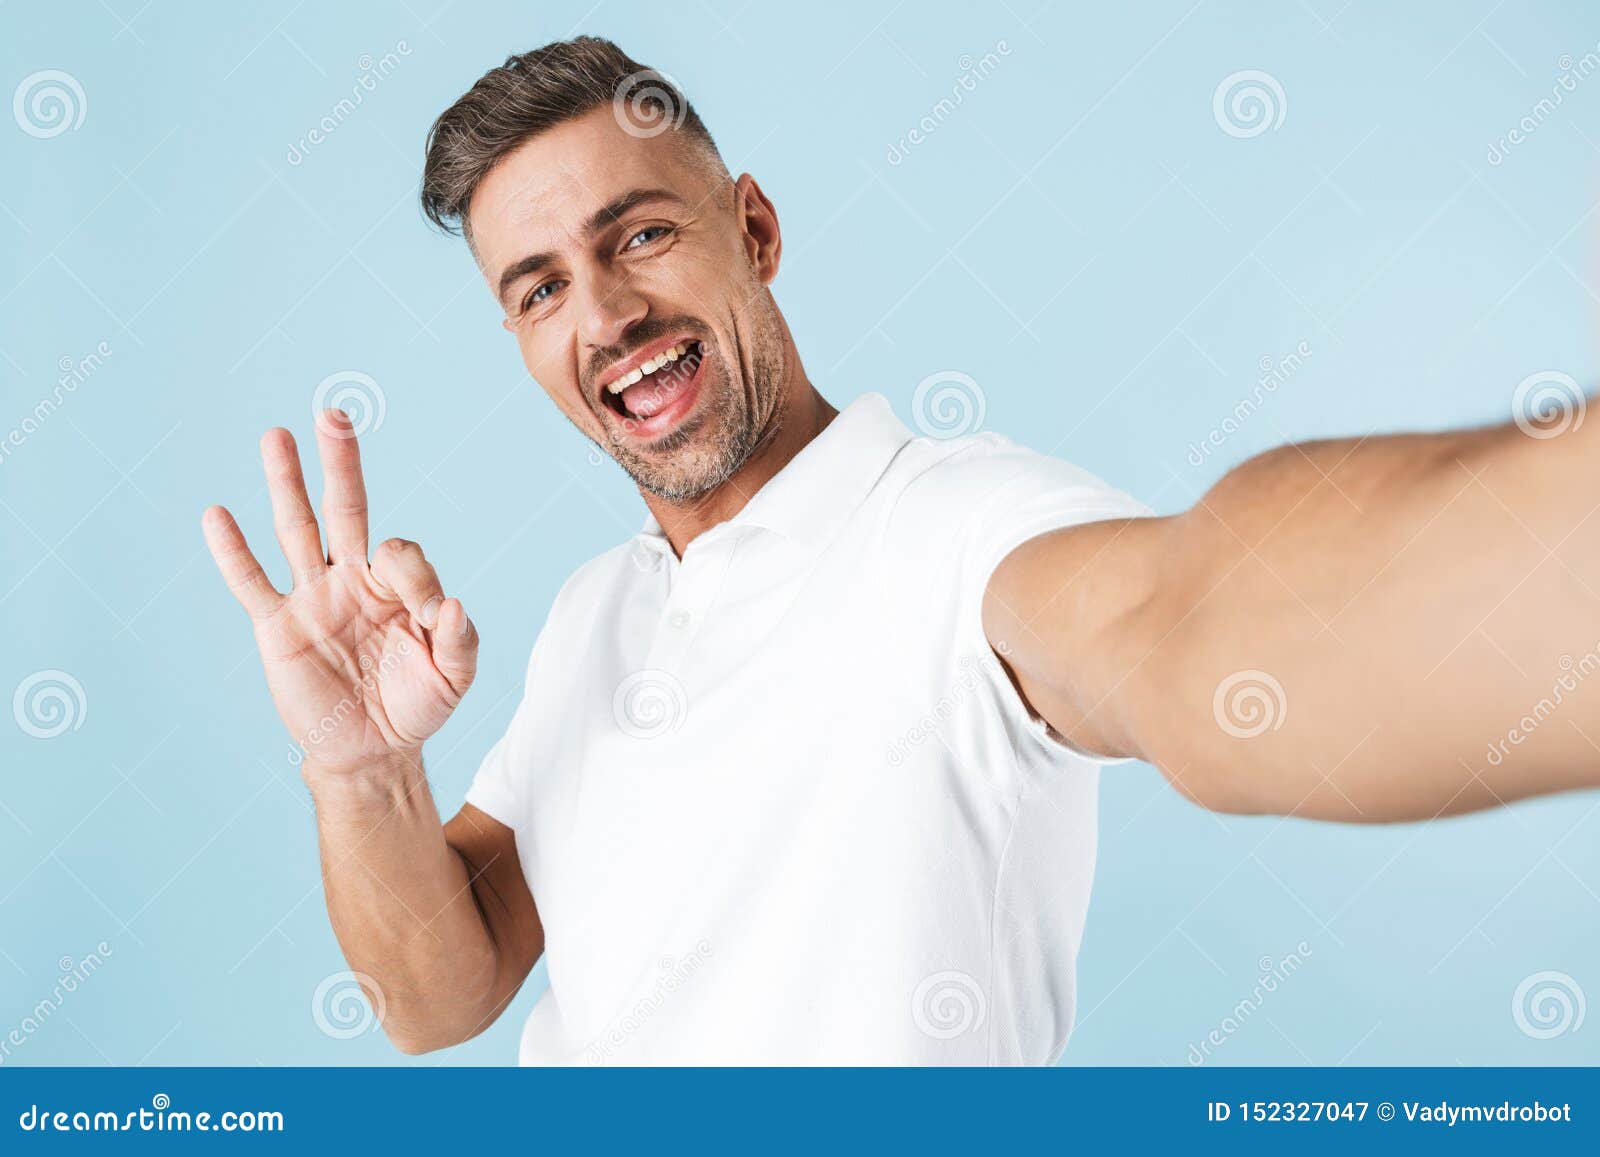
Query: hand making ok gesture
364,660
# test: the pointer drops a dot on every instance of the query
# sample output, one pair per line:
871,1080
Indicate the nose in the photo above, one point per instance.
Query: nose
611,306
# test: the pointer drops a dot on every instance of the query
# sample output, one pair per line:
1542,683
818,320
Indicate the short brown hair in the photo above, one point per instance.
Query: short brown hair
536,91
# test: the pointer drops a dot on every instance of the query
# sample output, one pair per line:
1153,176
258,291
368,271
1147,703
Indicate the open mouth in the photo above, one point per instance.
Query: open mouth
650,389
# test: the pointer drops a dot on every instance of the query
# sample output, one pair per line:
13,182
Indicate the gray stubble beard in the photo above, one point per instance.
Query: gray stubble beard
740,429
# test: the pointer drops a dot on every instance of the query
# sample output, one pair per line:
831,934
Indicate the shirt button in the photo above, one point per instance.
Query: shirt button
679,619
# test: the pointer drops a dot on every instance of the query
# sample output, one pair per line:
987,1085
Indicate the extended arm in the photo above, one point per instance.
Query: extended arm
1379,629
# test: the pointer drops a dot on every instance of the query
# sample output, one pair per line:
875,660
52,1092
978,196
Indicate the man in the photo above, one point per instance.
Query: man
806,771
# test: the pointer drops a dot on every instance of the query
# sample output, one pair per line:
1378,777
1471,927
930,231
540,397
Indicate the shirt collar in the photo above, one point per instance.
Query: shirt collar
819,488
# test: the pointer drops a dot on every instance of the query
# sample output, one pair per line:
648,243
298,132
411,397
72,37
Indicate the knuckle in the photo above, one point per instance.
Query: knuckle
398,548
333,510
250,583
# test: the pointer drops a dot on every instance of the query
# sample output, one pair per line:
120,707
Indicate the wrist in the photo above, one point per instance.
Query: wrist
384,782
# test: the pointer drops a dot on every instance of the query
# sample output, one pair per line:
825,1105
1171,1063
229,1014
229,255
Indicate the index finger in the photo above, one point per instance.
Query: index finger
344,492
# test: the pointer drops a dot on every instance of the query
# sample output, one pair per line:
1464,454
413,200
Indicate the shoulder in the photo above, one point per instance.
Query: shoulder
987,478
598,579
603,581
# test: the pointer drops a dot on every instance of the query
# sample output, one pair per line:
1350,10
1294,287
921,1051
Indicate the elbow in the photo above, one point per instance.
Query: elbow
1220,731
417,1028
414,1045
417,1040
1223,774
1243,786
1217,787
421,1034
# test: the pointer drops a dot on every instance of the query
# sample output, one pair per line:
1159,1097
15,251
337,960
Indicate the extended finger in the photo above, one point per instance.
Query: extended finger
344,493
400,565
241,571
292,517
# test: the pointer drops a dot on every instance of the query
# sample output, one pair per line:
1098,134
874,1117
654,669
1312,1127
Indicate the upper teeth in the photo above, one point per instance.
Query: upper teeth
632,377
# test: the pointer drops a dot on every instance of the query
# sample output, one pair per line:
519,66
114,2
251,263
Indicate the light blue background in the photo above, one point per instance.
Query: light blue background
1080,236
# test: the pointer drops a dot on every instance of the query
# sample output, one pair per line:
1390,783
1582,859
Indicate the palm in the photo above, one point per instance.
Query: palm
356,674
341,651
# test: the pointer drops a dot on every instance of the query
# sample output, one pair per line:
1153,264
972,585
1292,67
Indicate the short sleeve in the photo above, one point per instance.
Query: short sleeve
1021,494
1005,495
500,787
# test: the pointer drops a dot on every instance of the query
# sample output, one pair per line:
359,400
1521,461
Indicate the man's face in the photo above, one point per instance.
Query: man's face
634,278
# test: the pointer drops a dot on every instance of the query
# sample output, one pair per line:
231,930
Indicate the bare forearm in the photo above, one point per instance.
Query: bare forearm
1373,617
1375,629
402,904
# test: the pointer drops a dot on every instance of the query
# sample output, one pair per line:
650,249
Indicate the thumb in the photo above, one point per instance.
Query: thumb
455,646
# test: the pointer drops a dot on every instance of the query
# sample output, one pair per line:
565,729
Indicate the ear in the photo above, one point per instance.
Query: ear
509,325
763,240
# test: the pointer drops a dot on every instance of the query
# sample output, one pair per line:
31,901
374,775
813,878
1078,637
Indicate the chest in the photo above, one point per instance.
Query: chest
751,723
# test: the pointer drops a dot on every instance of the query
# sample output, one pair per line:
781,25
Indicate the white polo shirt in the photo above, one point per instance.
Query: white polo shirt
777,801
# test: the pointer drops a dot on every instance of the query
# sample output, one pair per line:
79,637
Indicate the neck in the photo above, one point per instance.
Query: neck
804,418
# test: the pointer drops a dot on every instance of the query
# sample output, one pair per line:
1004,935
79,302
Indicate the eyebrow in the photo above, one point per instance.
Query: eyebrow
605,215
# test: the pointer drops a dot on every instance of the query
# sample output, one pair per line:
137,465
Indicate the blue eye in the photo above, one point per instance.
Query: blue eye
654,230
539,296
